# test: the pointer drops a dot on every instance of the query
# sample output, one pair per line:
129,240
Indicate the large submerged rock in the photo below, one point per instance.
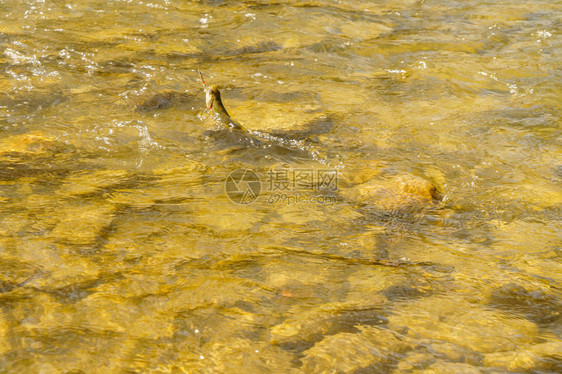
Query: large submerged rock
402,192
373,349
30,144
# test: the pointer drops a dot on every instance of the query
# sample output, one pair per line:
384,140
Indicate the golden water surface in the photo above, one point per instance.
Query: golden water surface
436,249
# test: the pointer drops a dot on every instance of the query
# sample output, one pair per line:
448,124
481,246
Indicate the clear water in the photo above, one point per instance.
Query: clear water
121,252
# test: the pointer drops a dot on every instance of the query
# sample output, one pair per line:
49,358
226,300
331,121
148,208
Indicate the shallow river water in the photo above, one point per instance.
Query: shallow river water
408,222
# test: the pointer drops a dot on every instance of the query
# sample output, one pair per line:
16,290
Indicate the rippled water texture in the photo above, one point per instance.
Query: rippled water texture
434,244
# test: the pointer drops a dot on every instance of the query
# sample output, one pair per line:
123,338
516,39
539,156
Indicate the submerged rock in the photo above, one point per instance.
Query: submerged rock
442,366
307,327
415,361
452,352
464,324
372,348
31,154
535,358
30,144
536,305
404,192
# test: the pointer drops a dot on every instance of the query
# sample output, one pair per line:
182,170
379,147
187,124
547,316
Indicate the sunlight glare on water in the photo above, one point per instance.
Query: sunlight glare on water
434,244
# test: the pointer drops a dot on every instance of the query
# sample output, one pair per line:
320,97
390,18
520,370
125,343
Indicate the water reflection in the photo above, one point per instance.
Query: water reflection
120,250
